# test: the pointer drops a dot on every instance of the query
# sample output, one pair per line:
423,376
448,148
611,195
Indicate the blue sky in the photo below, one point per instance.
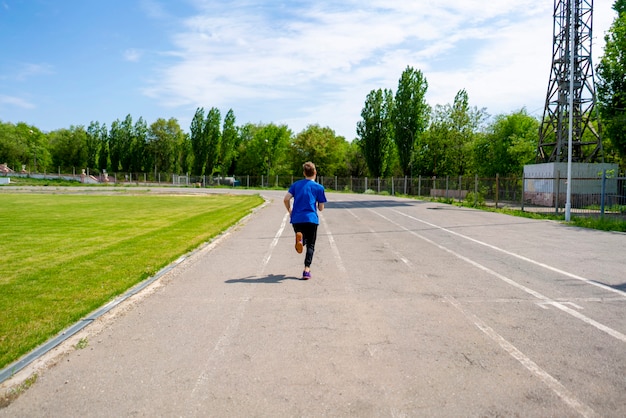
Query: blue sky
295,62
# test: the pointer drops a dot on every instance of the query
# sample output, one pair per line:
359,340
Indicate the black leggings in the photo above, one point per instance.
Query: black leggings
309,236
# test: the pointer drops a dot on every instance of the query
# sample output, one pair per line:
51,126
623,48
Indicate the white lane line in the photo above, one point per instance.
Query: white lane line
219,347
270,250
521,257
333,246
226,337
556,386
546,300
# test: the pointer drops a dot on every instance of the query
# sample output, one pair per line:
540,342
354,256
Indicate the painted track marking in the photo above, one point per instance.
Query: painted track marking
556,386
518,256
546,300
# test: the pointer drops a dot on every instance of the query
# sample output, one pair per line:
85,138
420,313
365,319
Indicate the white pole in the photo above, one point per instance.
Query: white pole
572,62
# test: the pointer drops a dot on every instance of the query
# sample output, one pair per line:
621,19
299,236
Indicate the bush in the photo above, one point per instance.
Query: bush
474,200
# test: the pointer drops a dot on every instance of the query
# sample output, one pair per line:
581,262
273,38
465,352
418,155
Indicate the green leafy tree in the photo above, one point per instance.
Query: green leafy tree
320,145
97,149
164,137
276,139
15,145
115,144
199,145
263,150
228,149
138,141
410,116
375,132
184,163
509,143
69,148
249,152
464,121
93,144
126,144
356,166
447,147
213,135
612,80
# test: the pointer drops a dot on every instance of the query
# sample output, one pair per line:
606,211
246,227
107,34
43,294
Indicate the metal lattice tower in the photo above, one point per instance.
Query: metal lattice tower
554,129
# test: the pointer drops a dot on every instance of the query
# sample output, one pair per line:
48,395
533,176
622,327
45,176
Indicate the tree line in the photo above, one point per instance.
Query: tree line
399,134
213,146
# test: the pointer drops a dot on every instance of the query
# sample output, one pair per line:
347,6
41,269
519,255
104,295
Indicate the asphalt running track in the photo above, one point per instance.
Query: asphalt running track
414,309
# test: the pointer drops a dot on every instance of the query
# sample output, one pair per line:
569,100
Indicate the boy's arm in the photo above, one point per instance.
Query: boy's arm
320,206
287,202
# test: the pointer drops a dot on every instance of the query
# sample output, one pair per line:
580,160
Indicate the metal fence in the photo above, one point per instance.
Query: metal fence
598,195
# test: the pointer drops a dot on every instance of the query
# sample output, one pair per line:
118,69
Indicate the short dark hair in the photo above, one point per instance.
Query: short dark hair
309,169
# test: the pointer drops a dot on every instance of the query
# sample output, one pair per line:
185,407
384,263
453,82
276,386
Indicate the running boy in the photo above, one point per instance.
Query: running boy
308,197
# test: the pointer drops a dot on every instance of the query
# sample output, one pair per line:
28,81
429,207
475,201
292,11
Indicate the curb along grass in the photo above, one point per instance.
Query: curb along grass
63,256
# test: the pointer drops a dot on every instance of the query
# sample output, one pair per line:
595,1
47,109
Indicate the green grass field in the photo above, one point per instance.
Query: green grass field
63,255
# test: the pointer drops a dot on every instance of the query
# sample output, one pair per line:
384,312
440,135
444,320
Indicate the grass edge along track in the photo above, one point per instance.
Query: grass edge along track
65,255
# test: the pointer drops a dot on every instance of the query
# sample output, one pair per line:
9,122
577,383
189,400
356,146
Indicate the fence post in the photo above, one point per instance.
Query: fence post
460,180
365,184
475,189
419,185
393,190
447,186
378,185
603,193
497,188
523,189
558,192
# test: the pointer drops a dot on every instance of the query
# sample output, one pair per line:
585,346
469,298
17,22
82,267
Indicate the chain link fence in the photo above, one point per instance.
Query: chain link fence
602,195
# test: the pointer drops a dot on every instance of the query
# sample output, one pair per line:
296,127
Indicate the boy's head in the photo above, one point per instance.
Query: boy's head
309,169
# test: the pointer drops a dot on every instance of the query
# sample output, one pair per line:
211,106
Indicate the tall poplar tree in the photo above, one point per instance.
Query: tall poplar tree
139,139
214,138
375,131
198,142
125,143
115,144
229,143
410,116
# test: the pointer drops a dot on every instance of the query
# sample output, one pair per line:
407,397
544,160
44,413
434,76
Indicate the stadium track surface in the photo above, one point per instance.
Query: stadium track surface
415,309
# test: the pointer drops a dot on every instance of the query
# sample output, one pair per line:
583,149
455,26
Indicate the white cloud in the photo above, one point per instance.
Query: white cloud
315,61
28,70
132,55
16,102
153,9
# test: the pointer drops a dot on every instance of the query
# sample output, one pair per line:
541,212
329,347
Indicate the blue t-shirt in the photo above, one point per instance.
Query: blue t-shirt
306,193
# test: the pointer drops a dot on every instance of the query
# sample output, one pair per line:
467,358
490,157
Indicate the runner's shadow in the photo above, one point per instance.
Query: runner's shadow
271,279
374,203
621,287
